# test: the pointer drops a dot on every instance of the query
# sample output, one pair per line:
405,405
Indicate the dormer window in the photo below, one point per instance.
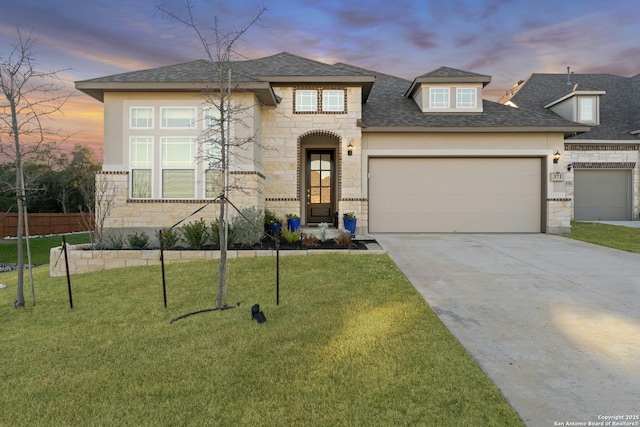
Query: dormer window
438,97
587,109
466,98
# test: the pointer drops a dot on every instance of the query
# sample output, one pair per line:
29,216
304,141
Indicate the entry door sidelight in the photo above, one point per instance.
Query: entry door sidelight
320,186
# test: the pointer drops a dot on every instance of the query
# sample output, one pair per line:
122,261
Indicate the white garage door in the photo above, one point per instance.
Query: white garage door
455,195
602,195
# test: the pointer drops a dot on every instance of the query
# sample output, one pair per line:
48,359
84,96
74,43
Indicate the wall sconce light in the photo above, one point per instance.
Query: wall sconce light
556,157
350,149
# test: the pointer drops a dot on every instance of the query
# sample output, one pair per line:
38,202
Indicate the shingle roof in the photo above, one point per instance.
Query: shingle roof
253,73
388,107
385,106
619,107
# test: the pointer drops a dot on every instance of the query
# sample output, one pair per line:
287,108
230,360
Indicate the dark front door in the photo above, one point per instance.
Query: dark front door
320,186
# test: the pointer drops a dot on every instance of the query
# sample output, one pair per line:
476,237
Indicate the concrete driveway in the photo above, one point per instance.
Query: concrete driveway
554,322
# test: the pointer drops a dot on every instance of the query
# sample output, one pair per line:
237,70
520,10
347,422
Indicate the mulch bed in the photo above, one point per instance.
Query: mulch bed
269,243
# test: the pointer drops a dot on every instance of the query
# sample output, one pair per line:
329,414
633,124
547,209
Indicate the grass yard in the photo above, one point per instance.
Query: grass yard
351,344
613,236
39,248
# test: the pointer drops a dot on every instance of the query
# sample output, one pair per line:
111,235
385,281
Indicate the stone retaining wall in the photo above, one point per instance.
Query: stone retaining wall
83,260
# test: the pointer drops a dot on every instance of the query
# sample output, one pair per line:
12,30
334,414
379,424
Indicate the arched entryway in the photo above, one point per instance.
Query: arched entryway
319,176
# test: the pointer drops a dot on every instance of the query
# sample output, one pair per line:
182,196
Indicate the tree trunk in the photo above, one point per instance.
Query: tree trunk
20,203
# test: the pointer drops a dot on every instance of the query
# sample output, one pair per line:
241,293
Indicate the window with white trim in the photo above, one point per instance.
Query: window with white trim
587,109
438,97
141,159
178,167
333,100
141,118
306,100
178,117
466,97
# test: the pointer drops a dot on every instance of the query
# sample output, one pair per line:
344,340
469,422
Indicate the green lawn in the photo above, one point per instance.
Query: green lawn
39,248
613,236
351,344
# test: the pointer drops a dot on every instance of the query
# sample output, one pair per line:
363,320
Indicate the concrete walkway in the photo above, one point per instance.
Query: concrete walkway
554,322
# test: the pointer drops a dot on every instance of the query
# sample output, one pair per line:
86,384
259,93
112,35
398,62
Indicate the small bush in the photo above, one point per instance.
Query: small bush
215,234
269,218
290,236
170,237
113,240
309,240
343,239
196,234
248,226
138,240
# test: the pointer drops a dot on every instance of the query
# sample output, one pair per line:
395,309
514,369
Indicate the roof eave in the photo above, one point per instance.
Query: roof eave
262,90
566,130
485,80
365,81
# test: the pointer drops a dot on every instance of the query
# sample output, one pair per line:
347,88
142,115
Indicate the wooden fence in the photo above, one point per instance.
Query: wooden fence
42,224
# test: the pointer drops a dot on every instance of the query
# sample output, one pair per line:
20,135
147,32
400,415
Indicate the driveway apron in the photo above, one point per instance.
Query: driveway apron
554,322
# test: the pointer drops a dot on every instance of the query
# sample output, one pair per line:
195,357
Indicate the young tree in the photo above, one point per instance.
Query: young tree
223,114
30,98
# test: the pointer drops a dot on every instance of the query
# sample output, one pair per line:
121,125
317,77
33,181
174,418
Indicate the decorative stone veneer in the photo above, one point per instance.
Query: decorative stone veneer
142,213
82,260
559,214
284,132
604,155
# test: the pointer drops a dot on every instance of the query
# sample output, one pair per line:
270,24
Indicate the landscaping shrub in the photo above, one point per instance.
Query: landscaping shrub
113,239
322,229
248,226
138,240
170,237
196,234
343,239
290,236
215,234
309,240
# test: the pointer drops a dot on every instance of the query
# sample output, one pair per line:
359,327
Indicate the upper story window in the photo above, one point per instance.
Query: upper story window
306,100
141,118
439,97
319,100
466,98
178,117
587,109
333,100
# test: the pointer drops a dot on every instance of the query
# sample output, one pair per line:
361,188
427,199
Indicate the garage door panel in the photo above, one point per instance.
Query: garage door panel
602,195
455,195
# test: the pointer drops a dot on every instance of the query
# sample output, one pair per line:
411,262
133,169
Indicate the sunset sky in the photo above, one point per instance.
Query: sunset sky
507,39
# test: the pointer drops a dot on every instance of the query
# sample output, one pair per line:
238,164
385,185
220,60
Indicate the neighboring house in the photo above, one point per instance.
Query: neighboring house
428,155
602,165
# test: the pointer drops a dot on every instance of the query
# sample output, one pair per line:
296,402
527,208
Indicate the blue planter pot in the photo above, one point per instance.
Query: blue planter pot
274,228
293,224
350,225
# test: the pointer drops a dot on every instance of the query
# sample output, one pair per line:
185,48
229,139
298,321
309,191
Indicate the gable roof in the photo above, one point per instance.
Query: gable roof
619,100
448,75
385,106
389,110
255,75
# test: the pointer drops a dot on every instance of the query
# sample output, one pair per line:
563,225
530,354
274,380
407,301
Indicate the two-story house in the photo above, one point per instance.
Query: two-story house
602,165
428,155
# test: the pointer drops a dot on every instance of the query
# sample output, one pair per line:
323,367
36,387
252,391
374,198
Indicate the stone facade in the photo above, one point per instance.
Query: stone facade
604,155
83,260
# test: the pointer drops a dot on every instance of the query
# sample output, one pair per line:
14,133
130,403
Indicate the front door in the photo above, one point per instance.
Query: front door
320,186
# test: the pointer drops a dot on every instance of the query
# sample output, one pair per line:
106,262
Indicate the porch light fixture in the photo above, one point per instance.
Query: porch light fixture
556,157
350,149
